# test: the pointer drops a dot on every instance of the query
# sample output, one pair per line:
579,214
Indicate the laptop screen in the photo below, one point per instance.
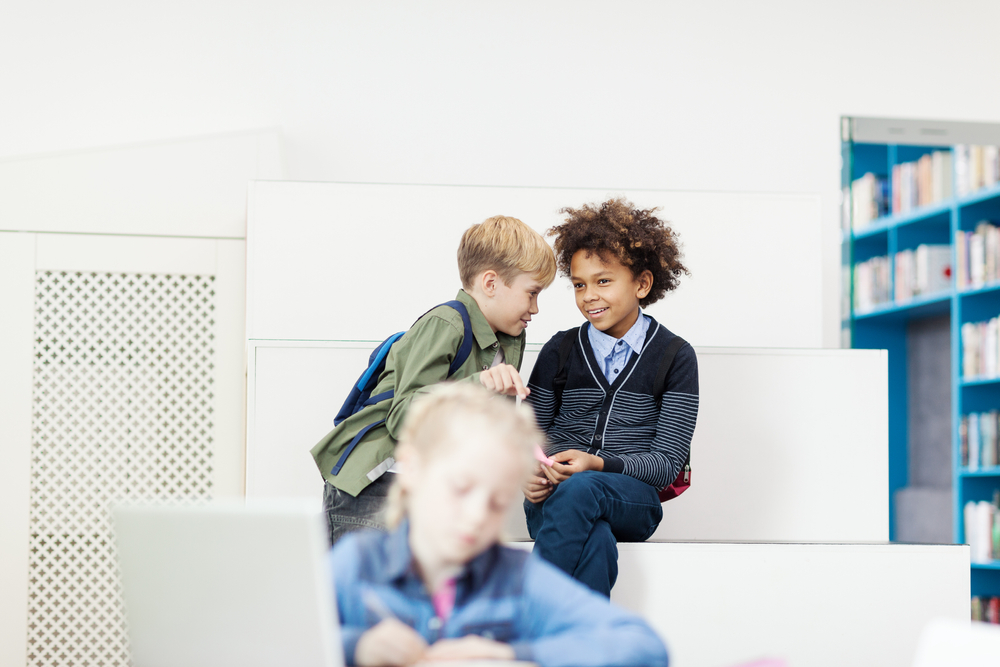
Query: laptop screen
227,584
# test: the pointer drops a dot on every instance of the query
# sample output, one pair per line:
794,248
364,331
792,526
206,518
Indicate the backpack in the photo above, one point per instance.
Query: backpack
361,397
683,481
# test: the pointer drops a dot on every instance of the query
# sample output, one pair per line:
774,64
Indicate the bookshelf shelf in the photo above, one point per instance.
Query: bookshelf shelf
983,289
921,306
932,214
979,196
907,204
979,382
992,471
992,565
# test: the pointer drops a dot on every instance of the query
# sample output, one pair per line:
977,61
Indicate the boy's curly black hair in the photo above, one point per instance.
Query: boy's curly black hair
635,237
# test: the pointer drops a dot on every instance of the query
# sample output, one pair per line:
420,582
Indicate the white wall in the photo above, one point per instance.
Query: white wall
812,605
311,248
684,96
195,187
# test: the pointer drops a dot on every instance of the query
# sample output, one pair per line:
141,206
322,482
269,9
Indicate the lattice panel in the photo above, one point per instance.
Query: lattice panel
122,409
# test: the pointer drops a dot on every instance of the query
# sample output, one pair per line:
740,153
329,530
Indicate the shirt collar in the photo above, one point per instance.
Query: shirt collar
604,344
399,559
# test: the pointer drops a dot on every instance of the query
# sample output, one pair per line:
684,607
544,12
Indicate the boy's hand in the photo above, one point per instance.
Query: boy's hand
504,379
390,643
570,462
538,487
470,647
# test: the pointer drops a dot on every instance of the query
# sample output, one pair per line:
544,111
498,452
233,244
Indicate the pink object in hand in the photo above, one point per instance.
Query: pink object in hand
540,455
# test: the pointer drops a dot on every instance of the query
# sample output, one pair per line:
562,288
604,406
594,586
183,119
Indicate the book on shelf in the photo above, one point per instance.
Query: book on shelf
982,529
986,609
976,167
980,354
872,284
869,199
977,256
925,270
978,432
922,183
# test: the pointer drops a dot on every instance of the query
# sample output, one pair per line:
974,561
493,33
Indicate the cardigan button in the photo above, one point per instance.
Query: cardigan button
486,367
434,623
597,437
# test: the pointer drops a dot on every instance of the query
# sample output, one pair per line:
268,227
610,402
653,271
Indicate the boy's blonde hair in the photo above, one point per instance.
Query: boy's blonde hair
432,427
509,247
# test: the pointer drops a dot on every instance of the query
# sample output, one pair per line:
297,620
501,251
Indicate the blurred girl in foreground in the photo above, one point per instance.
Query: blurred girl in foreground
439,586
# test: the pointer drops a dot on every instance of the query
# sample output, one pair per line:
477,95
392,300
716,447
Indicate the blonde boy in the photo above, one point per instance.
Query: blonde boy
503,265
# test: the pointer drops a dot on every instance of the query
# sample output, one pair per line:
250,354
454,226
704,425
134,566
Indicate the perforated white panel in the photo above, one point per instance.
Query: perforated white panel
123,393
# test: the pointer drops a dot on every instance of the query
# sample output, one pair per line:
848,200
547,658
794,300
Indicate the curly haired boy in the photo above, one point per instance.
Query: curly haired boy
616,438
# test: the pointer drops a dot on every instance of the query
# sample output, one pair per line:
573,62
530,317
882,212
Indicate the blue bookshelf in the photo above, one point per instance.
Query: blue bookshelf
876,146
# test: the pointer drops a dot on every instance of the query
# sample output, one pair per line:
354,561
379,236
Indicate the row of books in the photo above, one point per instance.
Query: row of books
921,183
975,167
931,179
982,529
872,283
925,270
977,256
870,200
986,609
981,349
978,432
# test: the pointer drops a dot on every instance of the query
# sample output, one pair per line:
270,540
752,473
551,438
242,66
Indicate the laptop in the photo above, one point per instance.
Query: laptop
227,584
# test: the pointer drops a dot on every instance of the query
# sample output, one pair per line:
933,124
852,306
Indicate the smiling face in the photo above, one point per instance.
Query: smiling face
509,308
458,498
607,293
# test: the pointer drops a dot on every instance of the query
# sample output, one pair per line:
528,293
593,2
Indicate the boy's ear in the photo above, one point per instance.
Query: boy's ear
645,281
488,282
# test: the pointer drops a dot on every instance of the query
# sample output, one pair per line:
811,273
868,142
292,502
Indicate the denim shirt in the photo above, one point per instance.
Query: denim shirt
503,594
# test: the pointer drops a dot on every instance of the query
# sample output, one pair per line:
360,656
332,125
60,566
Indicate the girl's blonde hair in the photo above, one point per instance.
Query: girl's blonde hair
432,427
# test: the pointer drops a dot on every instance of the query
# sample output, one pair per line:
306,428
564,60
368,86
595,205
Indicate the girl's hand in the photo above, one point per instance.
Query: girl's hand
570,462
538,488
389,644
470,647
504,379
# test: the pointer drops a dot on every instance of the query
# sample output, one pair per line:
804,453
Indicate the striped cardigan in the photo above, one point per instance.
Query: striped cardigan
624,422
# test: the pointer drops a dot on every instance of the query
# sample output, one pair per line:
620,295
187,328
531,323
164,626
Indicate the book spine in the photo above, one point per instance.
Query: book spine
963,435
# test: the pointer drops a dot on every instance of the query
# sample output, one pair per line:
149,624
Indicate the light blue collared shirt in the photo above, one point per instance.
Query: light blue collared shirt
613,353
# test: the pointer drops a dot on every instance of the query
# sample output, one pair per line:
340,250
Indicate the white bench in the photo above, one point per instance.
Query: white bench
814,605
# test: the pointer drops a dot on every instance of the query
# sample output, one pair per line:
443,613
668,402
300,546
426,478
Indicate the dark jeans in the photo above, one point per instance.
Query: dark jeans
577,528
345,513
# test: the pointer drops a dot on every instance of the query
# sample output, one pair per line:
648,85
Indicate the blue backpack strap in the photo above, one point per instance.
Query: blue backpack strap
358,400
354,443
465,349
378,358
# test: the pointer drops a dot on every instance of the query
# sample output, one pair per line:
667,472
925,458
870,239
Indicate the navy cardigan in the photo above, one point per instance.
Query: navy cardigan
636,432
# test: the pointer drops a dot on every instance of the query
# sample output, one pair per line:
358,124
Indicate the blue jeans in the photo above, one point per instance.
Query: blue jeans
345,512
577,528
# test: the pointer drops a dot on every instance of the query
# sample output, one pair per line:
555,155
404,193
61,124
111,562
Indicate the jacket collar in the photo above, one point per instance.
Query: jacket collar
399,560
481,329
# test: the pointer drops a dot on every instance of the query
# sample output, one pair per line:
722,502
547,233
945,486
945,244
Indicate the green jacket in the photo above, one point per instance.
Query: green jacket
416,361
